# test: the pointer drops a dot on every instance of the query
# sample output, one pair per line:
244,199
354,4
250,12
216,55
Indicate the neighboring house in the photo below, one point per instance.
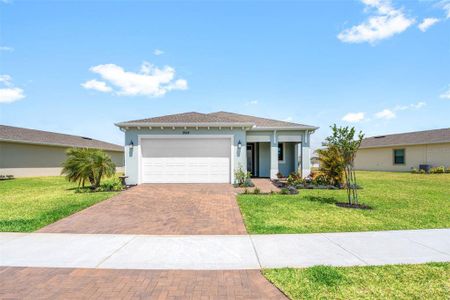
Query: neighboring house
195,147
28,152
403,151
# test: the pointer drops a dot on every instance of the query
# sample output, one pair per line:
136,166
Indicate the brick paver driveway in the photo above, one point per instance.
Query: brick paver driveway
160,209
182,209
49,283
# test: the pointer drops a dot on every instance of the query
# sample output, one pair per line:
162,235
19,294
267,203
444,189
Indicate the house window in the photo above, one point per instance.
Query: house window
280,151
399,156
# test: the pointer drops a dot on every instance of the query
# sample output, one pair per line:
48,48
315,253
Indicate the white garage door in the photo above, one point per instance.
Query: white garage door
185,160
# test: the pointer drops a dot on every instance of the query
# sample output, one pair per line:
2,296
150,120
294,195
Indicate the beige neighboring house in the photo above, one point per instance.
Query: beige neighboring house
404,151
28,152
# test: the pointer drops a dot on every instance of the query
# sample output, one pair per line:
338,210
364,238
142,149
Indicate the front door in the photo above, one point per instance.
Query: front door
250,159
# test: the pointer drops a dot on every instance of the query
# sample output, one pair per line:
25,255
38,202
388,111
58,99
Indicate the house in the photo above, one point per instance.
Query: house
27,152
403,151
209,147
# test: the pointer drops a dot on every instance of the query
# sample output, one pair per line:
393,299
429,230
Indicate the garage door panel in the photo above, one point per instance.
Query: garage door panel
212,167
186,147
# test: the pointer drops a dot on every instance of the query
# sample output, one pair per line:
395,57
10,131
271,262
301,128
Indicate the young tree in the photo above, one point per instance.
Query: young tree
343,140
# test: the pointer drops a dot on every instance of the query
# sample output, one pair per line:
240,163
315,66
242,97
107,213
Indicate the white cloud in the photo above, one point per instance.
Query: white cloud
9,93
353,117
96,85
6,79
427,23
385,114
388,114
446,94
149,81
6,49
158,52
288,119
251,102
417,105
445,5
385,22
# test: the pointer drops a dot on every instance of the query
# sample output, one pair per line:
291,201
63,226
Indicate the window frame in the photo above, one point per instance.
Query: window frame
394,156
283,152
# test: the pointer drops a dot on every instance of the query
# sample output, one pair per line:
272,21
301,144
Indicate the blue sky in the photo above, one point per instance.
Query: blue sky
78,67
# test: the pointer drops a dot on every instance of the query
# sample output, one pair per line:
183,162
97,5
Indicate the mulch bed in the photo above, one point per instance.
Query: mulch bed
355,206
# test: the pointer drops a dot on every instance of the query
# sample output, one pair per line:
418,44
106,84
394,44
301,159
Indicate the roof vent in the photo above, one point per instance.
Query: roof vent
86,138
379,137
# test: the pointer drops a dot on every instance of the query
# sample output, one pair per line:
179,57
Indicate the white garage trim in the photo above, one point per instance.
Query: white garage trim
190,136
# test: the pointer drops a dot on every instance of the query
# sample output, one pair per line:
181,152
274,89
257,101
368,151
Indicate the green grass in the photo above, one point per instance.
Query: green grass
27,204
425,281
399,201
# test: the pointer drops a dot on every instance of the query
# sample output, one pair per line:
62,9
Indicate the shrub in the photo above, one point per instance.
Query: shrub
294,179
437,170
256,191
284,191
414,171
280,175
321,179
448,170
111,185
242,178
332,165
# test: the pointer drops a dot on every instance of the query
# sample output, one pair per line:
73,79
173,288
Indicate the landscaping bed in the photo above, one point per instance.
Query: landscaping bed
423,281
398,201
27,204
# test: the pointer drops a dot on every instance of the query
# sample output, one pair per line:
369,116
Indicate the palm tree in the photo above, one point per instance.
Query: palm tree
331,165
84,164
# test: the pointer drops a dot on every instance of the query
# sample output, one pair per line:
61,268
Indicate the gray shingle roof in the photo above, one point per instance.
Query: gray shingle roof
217,118
260,122
409,138
32,136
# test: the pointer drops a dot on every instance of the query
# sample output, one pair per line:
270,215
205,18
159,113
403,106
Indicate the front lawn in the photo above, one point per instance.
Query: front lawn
399,201
425,281
27,204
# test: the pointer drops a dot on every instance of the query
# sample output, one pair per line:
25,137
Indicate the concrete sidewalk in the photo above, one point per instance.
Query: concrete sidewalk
222,252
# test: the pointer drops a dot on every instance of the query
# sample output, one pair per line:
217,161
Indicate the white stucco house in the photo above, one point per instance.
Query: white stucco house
208,147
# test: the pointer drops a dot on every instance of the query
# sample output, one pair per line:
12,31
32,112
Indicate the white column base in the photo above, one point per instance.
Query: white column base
273,174
306,172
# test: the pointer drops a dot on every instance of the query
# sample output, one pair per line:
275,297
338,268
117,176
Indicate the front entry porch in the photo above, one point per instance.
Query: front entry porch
269,153
264,161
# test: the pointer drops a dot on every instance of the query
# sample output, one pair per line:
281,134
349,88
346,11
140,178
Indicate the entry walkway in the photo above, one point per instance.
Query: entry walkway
222,252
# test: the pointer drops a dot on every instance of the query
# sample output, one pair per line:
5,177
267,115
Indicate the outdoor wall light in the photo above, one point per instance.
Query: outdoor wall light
239,144
131,143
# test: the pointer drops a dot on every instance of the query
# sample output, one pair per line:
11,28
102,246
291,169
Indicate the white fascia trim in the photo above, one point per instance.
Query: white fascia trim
187,136
207,124
284,128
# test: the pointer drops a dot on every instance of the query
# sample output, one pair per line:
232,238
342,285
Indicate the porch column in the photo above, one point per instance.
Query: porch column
306,155
297,153
274,156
